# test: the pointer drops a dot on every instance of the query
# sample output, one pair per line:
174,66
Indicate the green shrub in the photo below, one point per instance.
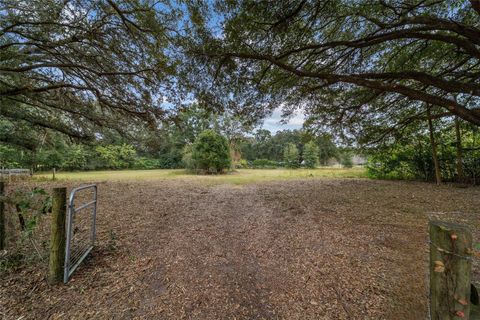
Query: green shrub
291,156
171,159
116,156
210,152
143,163
264,163
242,164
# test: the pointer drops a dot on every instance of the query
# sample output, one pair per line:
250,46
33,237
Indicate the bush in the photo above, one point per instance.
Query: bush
116,156
241,164
144,163
290,156
210,152
346,159
170,160
264,163
310,155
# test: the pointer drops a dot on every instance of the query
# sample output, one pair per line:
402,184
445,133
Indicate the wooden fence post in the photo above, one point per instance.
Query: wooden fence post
3,236
450,271
57,236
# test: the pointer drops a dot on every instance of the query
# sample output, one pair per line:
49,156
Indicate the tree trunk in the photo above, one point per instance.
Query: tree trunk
460,173
438,177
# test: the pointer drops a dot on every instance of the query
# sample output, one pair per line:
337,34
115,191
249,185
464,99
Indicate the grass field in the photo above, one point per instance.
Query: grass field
242,176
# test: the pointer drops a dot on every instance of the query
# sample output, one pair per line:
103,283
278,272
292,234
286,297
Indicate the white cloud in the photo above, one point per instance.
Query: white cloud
274,122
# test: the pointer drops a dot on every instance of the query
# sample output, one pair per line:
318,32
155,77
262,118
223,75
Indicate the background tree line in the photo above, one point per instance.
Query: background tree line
289,146
166,147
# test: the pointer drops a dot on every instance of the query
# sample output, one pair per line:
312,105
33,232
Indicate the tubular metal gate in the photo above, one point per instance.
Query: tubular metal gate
80,230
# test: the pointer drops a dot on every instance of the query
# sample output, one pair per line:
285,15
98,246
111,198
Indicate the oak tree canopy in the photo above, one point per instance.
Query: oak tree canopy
366,68
74,66
354,64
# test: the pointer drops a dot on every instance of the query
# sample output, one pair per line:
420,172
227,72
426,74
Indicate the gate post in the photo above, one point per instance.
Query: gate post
3,235
57,236
450,271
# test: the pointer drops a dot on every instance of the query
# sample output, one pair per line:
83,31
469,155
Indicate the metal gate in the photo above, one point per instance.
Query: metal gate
80,229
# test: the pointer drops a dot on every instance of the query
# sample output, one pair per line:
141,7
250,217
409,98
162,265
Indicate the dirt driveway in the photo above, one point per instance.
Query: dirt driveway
307,249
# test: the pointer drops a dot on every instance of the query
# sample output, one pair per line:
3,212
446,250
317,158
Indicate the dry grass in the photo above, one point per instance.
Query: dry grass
239,177
296,249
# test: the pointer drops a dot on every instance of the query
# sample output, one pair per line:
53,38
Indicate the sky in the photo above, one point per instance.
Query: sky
273,123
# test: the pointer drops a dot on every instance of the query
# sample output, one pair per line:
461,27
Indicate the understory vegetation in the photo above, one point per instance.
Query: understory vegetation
411,157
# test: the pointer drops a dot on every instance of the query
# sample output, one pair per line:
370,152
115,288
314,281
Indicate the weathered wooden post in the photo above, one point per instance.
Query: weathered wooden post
3,235
450,271
57,237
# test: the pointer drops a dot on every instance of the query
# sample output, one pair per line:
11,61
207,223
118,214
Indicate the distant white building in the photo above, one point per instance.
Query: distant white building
359,160
356,159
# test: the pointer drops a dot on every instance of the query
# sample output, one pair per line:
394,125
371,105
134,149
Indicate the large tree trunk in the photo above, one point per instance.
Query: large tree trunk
460,173
438,177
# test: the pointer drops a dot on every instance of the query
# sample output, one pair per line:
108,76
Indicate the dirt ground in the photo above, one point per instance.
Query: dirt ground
306,249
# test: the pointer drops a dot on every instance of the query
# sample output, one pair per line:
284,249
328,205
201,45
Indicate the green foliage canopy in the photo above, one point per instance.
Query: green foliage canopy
77,66
310,154
365,68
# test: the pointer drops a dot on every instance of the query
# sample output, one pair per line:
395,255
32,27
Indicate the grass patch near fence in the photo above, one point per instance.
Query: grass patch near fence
238,177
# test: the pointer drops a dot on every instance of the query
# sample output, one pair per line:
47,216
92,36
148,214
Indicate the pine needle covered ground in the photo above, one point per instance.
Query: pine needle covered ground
288,249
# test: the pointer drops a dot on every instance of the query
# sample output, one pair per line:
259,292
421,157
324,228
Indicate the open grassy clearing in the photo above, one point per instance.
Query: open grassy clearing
241,176
296,249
